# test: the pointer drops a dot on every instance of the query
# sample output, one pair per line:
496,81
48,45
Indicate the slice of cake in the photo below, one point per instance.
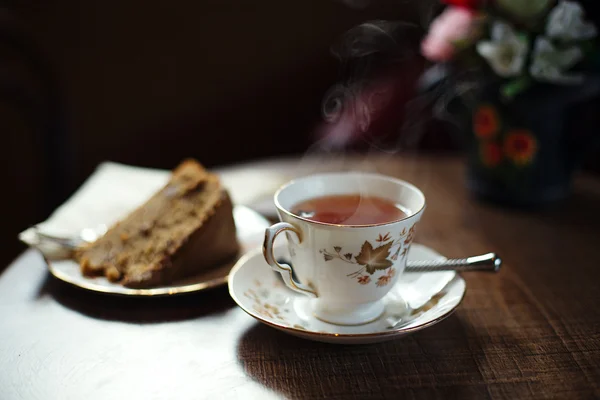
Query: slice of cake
186,227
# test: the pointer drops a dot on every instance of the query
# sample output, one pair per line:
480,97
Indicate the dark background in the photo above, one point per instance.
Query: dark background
152,82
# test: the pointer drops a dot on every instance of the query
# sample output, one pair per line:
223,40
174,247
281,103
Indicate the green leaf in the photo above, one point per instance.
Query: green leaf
515,87
525,9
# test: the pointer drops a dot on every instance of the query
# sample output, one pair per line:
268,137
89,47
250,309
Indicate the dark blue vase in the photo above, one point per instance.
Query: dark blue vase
523,152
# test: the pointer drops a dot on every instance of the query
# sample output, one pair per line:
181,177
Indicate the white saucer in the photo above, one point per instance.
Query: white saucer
418,300
250,233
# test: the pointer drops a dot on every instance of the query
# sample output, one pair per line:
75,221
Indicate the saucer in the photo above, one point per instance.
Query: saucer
417,301
250,233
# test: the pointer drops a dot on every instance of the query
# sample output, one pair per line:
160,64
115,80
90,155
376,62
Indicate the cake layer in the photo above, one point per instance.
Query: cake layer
184,228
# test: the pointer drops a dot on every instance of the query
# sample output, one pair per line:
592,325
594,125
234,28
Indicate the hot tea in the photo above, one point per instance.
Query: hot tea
349,209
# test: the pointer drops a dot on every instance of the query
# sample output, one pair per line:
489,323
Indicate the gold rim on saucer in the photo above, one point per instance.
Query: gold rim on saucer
302,332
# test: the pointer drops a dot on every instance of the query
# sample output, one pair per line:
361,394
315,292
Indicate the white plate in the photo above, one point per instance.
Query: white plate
417,301
250,232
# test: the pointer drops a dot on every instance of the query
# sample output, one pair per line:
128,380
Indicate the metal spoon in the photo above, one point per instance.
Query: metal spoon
489,262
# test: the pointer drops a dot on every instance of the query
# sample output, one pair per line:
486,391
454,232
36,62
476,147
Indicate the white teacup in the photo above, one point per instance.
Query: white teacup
347,269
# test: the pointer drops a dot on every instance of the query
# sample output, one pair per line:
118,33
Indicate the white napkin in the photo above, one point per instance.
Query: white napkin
114,190
107,195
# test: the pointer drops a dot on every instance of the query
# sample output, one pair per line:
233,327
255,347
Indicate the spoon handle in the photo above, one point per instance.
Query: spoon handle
484,263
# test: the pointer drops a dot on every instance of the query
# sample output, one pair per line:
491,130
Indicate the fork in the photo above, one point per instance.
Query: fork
86,235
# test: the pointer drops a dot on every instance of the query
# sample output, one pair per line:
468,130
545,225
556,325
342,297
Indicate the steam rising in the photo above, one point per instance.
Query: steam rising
351,107
356,4
370,38
373,56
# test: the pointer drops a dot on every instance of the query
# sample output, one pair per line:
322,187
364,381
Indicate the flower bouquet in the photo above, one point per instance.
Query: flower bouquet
536,65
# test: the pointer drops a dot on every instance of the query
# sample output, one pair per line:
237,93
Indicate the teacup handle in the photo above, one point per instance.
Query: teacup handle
285,270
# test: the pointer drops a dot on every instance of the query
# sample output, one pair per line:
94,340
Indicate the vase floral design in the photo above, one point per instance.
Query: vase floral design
375,257
485,122
520,147
497,145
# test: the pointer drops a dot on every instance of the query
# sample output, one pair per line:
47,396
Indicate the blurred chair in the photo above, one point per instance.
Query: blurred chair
37,161
149,83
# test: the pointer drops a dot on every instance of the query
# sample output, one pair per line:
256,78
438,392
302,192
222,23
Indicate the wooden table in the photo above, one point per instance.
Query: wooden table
532,331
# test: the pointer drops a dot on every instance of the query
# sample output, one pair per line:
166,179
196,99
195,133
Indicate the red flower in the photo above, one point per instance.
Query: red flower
486,122
470,4
491,154
363,280
520,146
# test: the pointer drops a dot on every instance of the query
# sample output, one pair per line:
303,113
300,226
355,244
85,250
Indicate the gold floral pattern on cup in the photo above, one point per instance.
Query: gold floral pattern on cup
372,258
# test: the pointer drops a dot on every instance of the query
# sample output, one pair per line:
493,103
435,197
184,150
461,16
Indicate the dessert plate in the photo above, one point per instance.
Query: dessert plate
250,232
417,301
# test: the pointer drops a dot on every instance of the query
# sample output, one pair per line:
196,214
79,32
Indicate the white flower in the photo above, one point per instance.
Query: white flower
506,52
549,63
566,22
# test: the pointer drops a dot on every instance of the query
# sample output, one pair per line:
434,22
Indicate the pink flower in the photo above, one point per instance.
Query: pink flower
453,25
